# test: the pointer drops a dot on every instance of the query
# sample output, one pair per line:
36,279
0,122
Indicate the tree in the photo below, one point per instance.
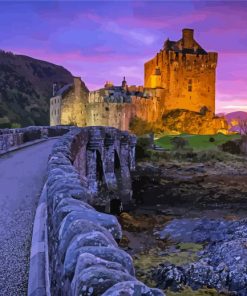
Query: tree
242,123
179,143
72,120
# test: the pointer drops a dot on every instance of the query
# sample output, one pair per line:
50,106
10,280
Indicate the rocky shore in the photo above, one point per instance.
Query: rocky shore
187,234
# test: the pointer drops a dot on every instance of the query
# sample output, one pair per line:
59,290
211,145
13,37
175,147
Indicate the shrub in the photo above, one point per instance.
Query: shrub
211,139
140,127
141,147
179,143
233,147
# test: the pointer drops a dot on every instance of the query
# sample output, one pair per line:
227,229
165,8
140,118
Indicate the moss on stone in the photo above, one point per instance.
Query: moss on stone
189,292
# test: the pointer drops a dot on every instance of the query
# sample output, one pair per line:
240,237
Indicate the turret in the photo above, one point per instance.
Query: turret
124,83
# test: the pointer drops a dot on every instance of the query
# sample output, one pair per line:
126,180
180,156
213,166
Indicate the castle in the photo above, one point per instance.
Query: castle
180,76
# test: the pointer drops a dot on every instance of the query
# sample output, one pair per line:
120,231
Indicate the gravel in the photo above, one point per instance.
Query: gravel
22,174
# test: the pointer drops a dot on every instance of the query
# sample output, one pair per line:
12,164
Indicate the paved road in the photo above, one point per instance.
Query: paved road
22,174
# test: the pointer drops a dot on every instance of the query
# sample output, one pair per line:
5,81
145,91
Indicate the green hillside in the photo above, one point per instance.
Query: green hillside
197,142
25,89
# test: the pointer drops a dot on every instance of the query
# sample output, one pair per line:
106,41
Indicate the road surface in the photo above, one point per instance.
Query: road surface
22,175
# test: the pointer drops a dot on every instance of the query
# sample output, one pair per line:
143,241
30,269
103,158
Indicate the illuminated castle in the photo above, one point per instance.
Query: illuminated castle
180,76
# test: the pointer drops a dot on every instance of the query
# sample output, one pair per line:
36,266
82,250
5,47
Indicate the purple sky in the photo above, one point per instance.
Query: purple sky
105,40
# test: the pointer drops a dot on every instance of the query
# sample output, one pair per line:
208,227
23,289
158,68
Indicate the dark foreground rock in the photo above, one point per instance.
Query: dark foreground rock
222,264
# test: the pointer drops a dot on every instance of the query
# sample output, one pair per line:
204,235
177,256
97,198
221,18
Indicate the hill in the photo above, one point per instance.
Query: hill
25,89
236,115
233,119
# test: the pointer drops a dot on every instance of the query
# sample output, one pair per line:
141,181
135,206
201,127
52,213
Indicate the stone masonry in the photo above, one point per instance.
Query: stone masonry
83,253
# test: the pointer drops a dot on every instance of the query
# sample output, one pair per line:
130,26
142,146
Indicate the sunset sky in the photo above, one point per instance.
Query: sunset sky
106,40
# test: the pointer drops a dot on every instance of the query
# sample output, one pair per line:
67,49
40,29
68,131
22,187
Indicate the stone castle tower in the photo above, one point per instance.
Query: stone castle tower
186,73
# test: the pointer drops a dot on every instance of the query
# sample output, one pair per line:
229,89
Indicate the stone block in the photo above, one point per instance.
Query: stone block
66,234
107,253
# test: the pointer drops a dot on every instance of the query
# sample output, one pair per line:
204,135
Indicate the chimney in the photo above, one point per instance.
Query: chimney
54,89
77,85
188,38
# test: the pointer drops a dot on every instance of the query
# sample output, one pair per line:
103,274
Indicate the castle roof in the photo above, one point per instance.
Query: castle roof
187,44
63,90
176,46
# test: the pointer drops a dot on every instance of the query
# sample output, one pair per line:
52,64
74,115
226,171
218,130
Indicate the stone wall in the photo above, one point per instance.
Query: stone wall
55,110
10,138
84,255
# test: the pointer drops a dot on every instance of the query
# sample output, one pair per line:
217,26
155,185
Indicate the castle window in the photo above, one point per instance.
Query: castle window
190,85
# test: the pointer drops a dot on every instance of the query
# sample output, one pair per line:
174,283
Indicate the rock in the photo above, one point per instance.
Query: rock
132,288
110,222
93,239
66,234
61,212
107,253
222,263
131,223
97,279
87,260
169,276
190,122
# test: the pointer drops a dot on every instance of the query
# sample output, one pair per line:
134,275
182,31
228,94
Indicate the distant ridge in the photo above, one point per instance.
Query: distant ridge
232,119
236,115
25,89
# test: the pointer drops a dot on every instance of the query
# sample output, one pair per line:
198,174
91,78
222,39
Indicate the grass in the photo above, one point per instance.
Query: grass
197,142
189,292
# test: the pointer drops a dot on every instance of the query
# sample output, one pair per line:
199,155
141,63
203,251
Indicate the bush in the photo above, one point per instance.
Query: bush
211,139
141,147
140,127
144,150
233,147
179,143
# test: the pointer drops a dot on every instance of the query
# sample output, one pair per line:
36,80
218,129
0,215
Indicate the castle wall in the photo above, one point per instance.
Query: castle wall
73,106
109,114
55,110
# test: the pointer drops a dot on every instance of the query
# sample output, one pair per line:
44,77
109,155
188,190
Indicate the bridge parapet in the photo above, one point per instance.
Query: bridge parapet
83,252
10,138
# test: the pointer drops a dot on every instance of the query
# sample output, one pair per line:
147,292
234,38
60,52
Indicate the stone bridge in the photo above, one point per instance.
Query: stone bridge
74,248
104,158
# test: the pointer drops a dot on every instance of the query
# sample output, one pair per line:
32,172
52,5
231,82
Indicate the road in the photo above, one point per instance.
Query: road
22,175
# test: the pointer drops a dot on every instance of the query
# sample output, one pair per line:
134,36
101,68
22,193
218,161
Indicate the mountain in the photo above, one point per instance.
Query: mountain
25,89
236,115
233,119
